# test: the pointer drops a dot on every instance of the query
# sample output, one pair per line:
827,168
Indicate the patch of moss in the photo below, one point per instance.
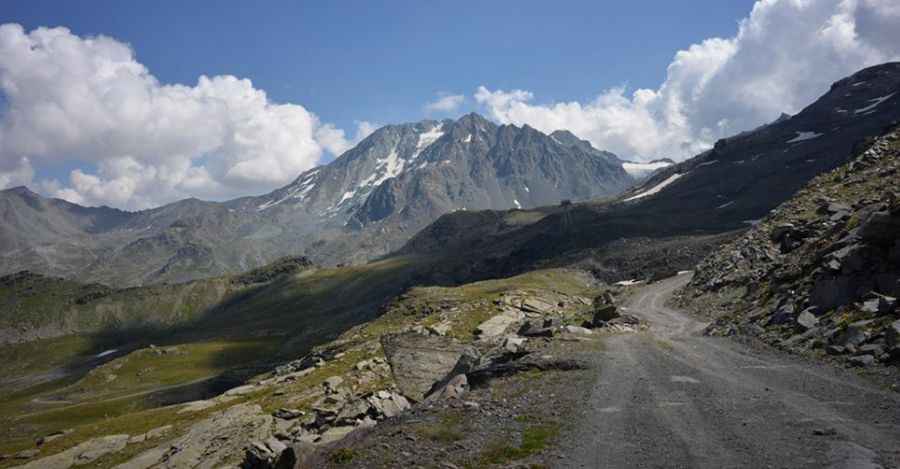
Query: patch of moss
535,438
342,456
449,428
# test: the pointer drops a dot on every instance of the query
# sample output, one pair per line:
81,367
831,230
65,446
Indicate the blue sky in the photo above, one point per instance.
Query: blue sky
381,62
223,99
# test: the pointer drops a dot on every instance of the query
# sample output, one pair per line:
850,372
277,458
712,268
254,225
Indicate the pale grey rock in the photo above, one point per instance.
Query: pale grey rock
241,390
84,453
332,383
498,324
538,305
418,362
577,330
455,388
514,344
807,320
334,434
221,436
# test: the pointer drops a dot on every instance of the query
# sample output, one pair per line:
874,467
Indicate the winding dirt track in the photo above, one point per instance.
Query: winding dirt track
671,398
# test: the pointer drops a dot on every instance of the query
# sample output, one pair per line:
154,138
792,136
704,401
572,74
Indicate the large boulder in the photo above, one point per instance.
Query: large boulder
603,314
829,292
537,305
892,334
386,404
264,454
853,335
418,362
787,237
881,228
453,389
892,337
783,315
497,325
544,327
807,320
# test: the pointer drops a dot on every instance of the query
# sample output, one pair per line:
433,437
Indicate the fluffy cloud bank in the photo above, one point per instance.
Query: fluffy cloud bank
445,103
784,55
88,100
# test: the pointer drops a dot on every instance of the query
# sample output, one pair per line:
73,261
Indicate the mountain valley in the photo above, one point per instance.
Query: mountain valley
459,293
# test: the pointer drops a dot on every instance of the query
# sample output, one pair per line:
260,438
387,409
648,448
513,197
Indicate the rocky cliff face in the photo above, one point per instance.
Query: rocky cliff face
821,274
364,204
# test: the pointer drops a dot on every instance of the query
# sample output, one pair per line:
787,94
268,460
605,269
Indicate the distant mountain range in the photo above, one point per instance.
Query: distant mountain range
377,196
364,204
727,188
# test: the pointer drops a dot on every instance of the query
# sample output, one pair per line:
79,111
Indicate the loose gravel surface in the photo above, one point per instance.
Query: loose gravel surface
670,397
667,397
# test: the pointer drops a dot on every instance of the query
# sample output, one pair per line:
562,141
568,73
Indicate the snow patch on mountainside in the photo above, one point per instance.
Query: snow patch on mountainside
347,195
427,138
299,191
385,168
804,136
875,102
655,189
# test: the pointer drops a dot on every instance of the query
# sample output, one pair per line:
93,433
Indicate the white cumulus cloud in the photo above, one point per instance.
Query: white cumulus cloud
445,103
784,55
142,143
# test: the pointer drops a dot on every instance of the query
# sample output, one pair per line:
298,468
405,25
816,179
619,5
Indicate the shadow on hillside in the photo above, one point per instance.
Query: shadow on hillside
260,326
288,316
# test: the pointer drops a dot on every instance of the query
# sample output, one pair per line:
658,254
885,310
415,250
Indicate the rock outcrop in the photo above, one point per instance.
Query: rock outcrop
419,361
84,453
212,442
821,274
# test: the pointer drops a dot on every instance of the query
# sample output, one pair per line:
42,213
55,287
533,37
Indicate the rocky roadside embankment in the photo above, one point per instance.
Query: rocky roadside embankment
821,274
428,350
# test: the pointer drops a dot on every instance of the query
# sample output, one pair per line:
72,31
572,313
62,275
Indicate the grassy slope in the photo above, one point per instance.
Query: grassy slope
57,307
306,299
284,318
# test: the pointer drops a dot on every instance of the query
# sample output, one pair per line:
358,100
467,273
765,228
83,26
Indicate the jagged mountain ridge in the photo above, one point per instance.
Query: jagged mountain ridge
364,204
728,187
787,152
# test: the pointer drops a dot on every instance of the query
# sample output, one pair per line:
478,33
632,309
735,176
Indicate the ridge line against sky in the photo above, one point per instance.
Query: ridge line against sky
128,140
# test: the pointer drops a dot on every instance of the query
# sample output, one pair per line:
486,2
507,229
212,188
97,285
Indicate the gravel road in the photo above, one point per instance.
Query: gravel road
670,397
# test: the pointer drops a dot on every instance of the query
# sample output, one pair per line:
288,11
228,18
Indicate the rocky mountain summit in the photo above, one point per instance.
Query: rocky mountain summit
364,204
821,274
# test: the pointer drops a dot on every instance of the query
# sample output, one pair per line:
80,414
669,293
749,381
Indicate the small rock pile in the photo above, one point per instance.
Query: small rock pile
606,315
332,417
